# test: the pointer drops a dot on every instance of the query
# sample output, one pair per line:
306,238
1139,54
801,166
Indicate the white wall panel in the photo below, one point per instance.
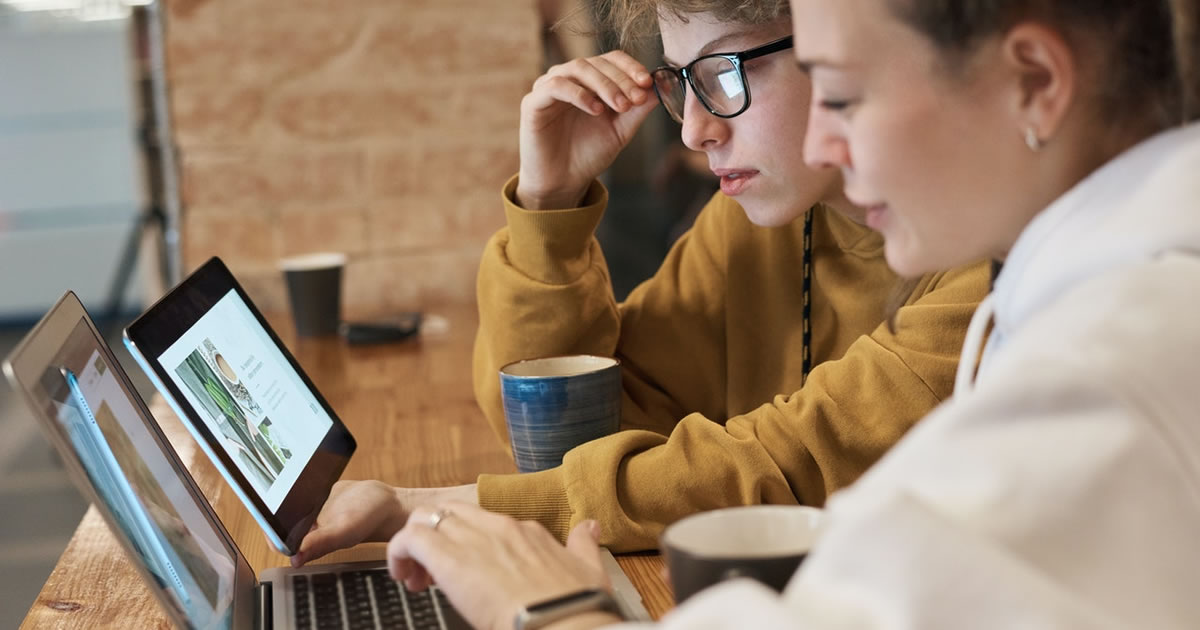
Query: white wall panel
70,171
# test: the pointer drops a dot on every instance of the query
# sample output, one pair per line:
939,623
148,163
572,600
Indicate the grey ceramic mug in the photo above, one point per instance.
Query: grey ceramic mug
554,404
762,542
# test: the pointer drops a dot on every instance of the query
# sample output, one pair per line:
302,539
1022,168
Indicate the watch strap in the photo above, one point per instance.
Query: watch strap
546,612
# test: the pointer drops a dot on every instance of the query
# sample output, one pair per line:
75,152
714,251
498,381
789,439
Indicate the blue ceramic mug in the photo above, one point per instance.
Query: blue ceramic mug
554,404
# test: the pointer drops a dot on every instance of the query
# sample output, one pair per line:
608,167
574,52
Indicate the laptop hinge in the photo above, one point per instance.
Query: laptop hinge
265,621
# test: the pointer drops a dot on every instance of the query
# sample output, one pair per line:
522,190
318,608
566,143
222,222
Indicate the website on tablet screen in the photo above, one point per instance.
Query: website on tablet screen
248,395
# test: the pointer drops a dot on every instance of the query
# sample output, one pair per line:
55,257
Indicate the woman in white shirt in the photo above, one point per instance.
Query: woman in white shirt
1060,487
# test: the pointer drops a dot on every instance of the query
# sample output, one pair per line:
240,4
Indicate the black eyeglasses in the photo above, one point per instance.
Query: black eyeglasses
718,81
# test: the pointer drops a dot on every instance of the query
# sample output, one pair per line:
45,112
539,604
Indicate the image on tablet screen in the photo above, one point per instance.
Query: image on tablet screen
244,427
255,405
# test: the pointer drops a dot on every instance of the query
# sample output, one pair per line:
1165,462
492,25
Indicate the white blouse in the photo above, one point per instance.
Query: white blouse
1060,488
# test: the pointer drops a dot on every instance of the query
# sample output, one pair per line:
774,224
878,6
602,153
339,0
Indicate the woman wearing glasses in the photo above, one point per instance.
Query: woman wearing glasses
756,362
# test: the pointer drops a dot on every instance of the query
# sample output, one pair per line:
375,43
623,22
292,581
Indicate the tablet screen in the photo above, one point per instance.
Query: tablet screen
263,415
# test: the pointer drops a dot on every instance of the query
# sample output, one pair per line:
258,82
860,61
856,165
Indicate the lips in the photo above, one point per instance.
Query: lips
734,181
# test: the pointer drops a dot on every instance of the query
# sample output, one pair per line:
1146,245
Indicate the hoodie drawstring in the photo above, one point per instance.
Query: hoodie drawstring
968,361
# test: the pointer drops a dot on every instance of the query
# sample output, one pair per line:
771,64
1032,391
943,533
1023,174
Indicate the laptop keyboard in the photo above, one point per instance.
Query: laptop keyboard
366,599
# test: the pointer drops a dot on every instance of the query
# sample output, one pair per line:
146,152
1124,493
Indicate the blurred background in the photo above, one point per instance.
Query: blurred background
138,138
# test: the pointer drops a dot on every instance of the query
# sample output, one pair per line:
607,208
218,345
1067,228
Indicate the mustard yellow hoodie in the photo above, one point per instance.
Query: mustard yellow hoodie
714,411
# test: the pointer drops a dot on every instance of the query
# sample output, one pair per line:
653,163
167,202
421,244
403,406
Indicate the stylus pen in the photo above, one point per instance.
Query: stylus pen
143,528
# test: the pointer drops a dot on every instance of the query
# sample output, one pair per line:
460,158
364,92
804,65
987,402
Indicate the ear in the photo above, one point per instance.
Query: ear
1046,72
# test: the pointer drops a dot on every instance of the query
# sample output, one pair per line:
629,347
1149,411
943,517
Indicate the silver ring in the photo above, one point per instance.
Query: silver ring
436,518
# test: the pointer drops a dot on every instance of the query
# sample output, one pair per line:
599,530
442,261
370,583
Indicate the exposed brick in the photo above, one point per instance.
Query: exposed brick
469,108
338,229
432,43
363,5
424,222
452,275
381,128
411,281
327,112
241,240
260,48
266,288
220,180
184,12
267,179
441,168
382,284
214,114
479,215
331,176
407,224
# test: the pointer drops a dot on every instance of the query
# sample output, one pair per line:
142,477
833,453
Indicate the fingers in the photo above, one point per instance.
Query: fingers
315,544
325,539
412,574
629,66
601,78
584,543
615,85
426,539
627,124
414,547
613,81
489,564
551,90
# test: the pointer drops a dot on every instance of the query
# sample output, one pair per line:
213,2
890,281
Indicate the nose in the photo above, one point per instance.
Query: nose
702,131
825,145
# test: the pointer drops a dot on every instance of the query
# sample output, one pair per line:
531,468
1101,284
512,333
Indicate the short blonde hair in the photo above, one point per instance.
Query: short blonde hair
634,20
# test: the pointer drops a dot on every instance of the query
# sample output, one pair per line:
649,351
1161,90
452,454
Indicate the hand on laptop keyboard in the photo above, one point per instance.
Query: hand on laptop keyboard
490,565
368,511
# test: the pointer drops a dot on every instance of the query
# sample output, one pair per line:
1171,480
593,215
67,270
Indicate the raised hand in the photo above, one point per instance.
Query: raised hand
574,122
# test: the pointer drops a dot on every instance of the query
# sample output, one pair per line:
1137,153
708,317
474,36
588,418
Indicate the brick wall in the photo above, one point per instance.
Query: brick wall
380,128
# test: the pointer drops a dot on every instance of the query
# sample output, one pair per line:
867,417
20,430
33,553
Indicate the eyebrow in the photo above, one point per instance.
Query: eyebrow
806,65
712,46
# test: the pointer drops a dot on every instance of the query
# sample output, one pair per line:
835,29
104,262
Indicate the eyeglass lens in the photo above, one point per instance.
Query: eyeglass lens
716,80
719,81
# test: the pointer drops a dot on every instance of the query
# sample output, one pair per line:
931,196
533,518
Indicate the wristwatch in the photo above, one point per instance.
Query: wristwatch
547,612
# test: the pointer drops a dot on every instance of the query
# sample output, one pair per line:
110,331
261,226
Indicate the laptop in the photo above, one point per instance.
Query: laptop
123,463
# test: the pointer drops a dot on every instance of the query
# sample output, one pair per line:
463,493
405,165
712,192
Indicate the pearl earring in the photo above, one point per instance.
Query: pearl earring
1032,140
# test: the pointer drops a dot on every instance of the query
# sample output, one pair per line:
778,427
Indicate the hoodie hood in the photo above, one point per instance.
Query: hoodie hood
1137,206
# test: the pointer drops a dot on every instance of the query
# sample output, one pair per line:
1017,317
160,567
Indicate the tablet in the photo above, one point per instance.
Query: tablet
245,399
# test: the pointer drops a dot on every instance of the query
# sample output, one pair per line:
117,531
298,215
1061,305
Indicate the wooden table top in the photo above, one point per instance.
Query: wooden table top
413,412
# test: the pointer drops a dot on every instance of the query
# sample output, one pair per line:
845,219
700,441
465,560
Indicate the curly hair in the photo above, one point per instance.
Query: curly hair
635,20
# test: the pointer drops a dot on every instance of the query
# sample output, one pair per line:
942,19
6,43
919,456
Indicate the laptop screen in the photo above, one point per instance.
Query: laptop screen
238,381
131,474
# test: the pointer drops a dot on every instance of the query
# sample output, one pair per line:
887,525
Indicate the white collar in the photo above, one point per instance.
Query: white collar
1125,211
1137,205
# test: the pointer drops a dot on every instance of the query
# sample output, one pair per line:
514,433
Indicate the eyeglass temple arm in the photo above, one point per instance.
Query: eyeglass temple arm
766,49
